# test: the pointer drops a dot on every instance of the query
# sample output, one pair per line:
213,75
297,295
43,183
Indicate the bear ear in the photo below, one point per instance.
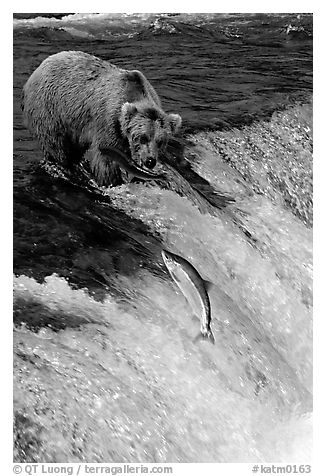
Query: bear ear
128,110
175,122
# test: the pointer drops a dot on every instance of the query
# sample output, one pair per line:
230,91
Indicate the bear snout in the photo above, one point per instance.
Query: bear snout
150,162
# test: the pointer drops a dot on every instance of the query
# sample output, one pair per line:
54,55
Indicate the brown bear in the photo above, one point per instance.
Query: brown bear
81,107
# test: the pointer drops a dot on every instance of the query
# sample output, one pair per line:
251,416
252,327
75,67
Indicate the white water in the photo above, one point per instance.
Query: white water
132,369
120,379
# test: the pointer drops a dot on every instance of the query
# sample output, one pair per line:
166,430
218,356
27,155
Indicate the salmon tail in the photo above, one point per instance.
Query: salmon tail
206,334
211,337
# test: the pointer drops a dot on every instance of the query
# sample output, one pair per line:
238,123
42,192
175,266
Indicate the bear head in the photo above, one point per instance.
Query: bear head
147,129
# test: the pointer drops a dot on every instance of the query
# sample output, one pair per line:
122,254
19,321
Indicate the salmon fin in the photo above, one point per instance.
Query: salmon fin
208,285
205,336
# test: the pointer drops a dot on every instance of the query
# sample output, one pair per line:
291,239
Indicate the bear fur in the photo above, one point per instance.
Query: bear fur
77,106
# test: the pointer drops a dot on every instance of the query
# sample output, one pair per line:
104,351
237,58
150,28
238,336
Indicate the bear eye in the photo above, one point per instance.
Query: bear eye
143,139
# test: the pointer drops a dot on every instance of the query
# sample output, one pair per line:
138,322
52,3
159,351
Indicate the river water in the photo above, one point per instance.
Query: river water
105,364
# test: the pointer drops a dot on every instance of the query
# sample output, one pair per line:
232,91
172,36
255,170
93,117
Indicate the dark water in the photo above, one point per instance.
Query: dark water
103,340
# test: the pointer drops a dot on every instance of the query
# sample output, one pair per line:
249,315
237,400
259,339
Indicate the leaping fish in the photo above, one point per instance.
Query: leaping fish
130,167
193,288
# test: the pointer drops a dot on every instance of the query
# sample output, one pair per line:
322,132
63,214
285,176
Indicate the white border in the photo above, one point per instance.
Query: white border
319,213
